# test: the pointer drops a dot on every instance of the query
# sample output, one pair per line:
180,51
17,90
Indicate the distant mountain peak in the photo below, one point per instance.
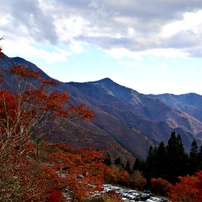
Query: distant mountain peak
18,58
107,79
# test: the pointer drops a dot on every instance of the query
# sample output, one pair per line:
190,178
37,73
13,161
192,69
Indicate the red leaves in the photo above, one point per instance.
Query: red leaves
75,169
56,101
26,117
50,101
80,112
55,196
160,185
23,72
188,189
21,180
32,110
48,82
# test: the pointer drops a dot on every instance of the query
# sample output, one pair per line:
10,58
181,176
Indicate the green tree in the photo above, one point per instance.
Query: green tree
193,158
108,160
128,168
199,158
159,164
177,158
139,165
118,163
149,164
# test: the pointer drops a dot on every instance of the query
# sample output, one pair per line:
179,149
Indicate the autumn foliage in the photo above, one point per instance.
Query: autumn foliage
138,180
189,189
30,168
160,186
112,196
78,170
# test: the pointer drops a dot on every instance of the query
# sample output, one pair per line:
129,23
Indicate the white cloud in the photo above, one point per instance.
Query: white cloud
191,21
22,47
128,27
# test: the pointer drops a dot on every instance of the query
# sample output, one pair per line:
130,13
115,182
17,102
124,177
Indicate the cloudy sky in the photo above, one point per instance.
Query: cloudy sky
152,46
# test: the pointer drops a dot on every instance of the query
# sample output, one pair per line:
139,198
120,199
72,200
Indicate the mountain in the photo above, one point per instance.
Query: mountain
149,114
126,122
190,103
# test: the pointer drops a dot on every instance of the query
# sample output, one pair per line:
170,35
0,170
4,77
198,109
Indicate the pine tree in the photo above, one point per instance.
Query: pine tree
136,164
108,160
128,168
149,165
177,159
199,158
193,158
119,163
159,165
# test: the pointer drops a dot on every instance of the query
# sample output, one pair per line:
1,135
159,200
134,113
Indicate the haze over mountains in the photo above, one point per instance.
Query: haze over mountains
126,122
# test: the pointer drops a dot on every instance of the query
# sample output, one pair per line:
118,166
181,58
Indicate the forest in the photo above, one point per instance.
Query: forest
33,169
168,171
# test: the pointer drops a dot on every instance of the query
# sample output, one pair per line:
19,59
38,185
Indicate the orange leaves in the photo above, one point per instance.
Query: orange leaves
112,175
160,185
21,180
33,110
48,82
50,101
23,72
26,117
7,111
56,101
75,169
125,177
188,189
80,112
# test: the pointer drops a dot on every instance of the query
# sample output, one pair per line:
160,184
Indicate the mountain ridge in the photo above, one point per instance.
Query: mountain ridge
127,123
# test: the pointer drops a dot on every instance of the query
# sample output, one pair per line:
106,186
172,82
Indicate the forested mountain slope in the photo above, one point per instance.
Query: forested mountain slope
126,122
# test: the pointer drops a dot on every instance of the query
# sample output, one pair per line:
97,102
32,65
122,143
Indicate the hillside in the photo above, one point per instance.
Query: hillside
126,122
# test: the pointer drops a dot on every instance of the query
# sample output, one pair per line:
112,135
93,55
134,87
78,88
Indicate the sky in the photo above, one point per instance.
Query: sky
151,46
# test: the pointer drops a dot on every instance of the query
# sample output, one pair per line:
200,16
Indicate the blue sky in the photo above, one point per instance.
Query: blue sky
150,46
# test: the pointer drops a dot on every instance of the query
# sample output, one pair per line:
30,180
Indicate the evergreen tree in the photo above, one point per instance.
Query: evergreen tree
139,165
108,160
136,164
199,158
128,168
193,158
149,165
177,158
159,165
118,163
